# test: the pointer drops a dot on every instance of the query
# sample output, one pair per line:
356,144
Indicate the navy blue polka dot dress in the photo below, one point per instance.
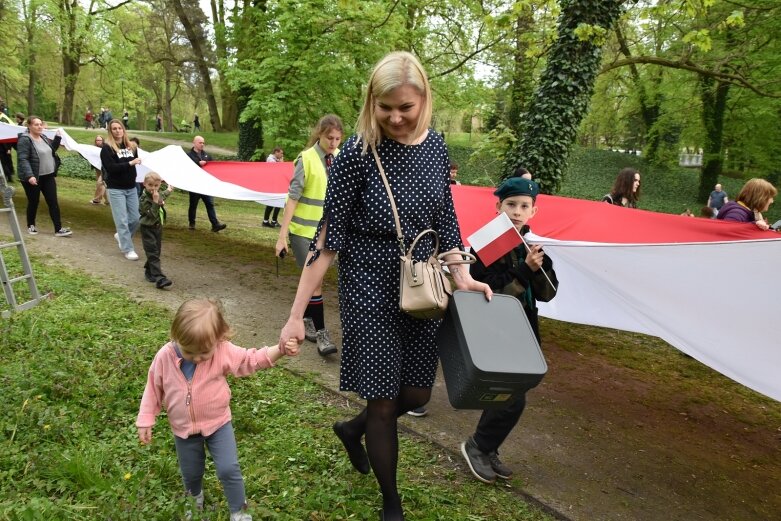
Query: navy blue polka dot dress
383,348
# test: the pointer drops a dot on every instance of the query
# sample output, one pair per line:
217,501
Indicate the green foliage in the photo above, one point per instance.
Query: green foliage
562,95
73,165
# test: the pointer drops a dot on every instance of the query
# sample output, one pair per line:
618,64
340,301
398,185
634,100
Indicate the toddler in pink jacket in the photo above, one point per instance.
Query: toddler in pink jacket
187,377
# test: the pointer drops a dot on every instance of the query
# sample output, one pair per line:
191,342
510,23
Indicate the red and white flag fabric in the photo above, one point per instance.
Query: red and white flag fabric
707,287
495,239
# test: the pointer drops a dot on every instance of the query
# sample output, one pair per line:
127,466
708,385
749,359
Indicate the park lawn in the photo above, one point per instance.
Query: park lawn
73,370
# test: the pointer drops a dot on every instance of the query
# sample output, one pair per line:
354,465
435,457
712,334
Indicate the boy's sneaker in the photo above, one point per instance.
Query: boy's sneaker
116,238
240,516
63,232
502,470
325,345
32,230
309,329
267,224
478,461
219,227
418,412
131,255
275,224
163,282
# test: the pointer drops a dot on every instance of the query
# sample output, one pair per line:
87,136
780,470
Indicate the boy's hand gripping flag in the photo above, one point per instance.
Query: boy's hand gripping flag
495,239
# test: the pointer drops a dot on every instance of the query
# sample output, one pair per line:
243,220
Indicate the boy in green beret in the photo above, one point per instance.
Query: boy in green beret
520,273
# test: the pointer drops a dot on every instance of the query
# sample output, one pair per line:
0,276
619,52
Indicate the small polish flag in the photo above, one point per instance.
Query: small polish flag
495,239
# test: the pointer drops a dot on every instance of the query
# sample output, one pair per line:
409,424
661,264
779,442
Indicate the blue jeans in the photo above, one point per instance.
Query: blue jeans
124,210
222,446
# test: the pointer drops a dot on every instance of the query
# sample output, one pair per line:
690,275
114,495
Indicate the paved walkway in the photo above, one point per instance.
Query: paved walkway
185,142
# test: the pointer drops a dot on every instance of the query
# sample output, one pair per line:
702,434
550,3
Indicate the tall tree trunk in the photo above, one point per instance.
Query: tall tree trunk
230,111
649,106
713,94
200,65
521,89
562,96
70,74
31,79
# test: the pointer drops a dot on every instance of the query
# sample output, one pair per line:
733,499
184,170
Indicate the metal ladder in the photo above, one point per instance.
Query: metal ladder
18,242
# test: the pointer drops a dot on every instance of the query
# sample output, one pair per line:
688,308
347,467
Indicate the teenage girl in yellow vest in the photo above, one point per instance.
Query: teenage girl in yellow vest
303,211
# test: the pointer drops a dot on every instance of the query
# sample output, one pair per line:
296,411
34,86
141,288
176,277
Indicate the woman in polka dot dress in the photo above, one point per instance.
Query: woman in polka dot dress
388,357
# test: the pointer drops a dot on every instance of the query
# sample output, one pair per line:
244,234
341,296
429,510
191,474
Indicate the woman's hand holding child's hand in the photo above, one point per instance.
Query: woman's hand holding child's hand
145,435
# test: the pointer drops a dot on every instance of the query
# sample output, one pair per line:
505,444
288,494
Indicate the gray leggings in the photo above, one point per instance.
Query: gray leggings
222,446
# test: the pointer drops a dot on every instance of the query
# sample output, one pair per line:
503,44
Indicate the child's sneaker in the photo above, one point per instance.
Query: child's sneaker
240,516
32,230
63,232
188,515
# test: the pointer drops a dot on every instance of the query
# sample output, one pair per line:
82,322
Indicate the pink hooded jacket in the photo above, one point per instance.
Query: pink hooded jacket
202,405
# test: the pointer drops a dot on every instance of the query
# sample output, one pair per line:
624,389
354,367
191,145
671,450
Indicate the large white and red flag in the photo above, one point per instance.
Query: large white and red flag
707,287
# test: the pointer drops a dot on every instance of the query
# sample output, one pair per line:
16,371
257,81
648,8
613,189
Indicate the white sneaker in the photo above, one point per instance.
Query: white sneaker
240,516
32,230
116,238
131,255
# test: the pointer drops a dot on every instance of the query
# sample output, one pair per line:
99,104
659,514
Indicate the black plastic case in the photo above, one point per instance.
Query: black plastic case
488,350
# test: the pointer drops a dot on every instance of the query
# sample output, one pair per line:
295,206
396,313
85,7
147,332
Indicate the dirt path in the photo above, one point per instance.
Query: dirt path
596,441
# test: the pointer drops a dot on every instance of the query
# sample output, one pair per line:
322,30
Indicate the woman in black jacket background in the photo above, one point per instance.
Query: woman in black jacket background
37,164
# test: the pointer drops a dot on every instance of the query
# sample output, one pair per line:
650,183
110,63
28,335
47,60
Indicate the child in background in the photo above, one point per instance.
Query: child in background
188,375
454,173
152,210
520,273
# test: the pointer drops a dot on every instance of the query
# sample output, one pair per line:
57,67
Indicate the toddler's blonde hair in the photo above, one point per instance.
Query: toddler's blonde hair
199,325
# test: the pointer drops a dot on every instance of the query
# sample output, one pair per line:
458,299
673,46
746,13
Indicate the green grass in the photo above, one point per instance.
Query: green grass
72,372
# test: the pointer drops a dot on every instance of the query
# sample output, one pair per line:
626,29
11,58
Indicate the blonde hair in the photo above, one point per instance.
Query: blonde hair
199,325
326,124
394,70
152,176
755,193
126,143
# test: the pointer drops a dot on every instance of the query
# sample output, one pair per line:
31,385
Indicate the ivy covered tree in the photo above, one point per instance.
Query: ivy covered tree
548,129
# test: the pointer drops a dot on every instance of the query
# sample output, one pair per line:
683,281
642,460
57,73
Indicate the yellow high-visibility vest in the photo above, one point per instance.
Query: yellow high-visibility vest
309,209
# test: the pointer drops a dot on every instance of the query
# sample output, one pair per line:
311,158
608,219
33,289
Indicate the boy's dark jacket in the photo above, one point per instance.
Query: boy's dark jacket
511,276
149,210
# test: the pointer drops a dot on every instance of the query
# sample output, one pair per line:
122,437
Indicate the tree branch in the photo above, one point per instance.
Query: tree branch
733,79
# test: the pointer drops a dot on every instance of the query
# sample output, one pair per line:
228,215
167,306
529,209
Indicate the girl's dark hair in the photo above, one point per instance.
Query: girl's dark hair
623,186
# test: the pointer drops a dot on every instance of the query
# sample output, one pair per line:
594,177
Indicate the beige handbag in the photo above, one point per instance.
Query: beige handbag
424,290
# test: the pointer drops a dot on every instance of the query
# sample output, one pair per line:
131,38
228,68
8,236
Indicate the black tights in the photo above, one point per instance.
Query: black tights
378,421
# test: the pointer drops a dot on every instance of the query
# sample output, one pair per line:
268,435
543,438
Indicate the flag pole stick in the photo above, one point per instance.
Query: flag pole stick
542,270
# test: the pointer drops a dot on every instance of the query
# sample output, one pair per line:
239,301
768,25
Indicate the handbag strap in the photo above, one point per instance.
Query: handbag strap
399,234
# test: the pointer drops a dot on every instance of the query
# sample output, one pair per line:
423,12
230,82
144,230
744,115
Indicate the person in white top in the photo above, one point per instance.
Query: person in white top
270,221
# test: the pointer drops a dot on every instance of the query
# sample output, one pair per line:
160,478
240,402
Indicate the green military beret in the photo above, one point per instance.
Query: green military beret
517,186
